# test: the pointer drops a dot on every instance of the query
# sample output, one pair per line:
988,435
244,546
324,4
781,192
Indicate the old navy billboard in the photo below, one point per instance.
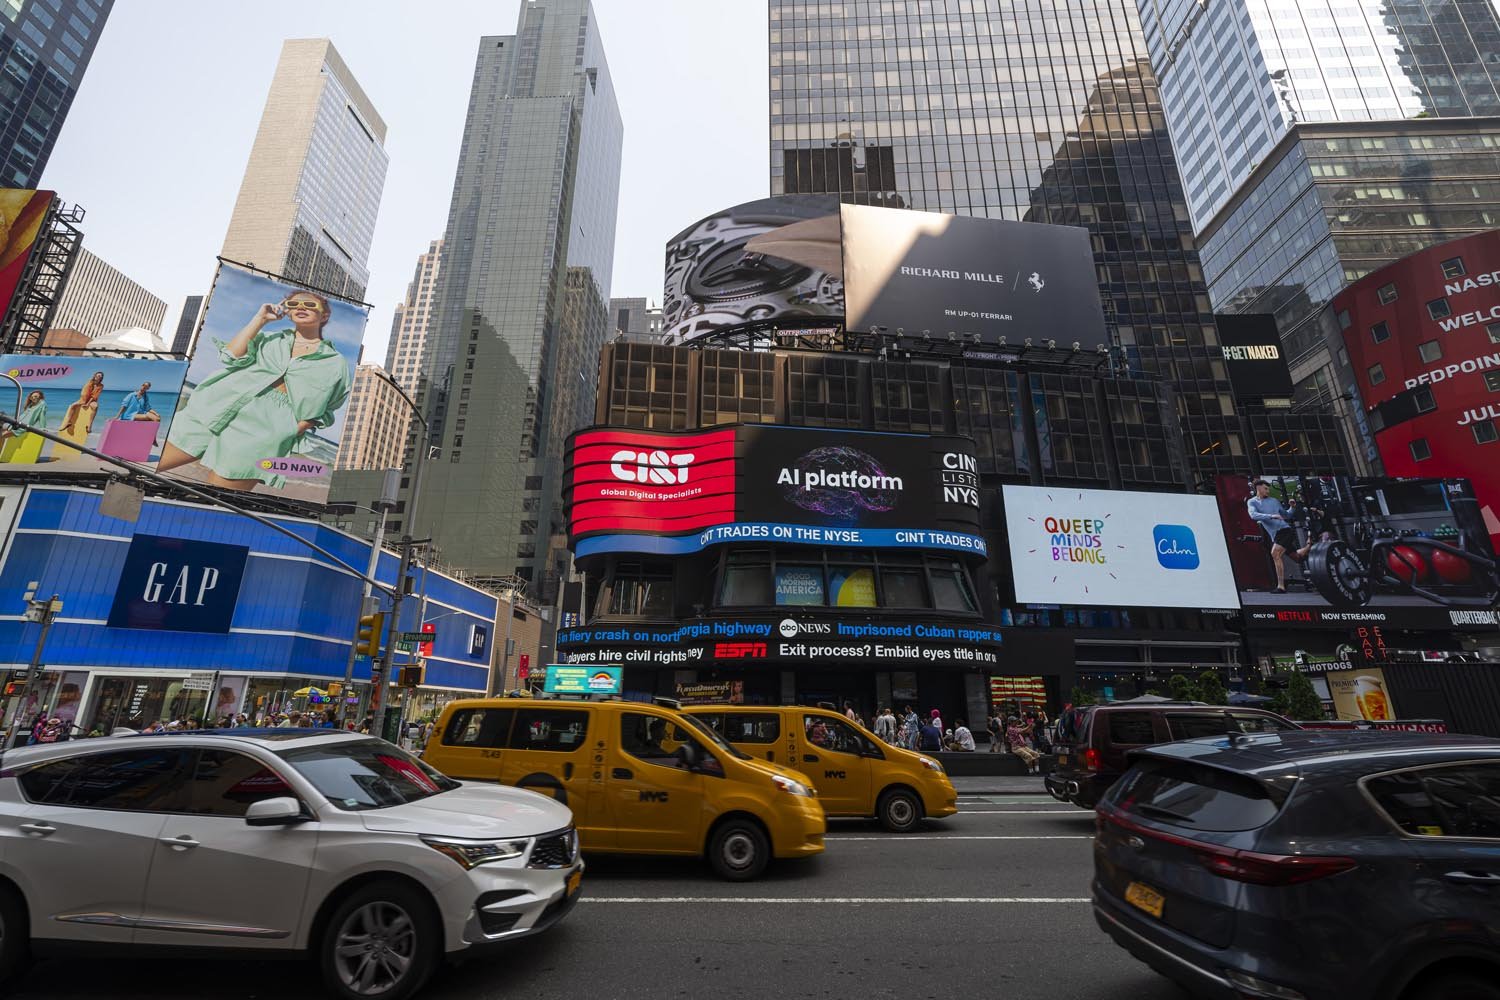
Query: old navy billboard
674,493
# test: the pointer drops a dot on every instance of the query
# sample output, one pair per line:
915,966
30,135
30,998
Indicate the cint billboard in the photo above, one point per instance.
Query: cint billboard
262,408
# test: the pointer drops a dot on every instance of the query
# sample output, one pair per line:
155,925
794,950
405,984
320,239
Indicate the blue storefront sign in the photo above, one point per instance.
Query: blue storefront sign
479,637
178,585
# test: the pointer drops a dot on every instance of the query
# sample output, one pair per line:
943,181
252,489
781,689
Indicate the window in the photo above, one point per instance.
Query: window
1484,431
1423,401
1462,800
1377,374
1493,329
904,587
799,585
478,727
1492,381
1380,332
133,780
368,774
1453,267
1187,727
659,741
1438,309
558,730
950,588
834,734
852,586
748,727
1260,724
1203,798
1387,293
1421,451
224,783
1430,350
747,581
1131,729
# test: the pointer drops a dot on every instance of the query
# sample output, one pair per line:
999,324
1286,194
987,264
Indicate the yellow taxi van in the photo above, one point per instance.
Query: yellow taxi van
640,778
856,772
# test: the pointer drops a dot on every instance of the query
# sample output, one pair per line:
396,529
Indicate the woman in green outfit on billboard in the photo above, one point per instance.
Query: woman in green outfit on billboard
34,415
275,387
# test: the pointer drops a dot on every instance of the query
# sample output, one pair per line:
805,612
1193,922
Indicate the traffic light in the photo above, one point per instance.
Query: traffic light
367,639
411,675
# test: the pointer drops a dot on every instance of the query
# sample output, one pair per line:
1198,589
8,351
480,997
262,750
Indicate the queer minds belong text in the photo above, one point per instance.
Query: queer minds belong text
1076,539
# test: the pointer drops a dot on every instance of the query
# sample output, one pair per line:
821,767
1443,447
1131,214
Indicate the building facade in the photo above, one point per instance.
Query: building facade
311,191
376,424
636,319
98,299
45,47
523,292
187,325
413,319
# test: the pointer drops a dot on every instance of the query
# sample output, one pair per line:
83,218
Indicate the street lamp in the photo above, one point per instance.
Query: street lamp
36,611
367,602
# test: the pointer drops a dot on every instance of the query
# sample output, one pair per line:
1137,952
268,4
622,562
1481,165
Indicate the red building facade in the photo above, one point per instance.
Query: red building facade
1423,336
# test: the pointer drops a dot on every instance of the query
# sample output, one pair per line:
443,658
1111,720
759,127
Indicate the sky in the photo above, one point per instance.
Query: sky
157,139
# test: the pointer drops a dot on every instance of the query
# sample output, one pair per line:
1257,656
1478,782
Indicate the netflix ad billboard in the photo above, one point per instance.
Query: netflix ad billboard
674,493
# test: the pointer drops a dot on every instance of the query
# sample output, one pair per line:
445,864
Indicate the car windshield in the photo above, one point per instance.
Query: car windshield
366,774
713,737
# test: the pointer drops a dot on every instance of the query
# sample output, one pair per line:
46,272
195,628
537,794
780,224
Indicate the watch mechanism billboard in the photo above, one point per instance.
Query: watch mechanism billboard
675,493
1254,356
805,261
121,407
1333,550
262,409
1117,549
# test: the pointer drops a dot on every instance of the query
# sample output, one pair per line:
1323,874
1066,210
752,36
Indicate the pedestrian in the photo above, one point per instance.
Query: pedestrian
885,725
962,738
996,734
913,727
849,712
1016,737
937,720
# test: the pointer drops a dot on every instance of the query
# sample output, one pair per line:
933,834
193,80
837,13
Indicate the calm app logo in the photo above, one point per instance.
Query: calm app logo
1176,548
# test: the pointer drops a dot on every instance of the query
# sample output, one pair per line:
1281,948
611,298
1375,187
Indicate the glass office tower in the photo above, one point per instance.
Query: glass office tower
1027,110
45,47
520,311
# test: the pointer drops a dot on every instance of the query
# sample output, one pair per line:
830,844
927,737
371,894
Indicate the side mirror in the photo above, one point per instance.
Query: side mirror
281,811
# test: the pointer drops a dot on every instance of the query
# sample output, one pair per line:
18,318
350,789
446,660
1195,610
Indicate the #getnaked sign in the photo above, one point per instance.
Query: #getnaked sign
178,585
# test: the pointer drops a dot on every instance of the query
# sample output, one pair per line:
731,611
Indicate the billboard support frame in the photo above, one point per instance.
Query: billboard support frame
30,311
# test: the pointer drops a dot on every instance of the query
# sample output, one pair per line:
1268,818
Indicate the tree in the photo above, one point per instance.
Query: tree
1211,688
1302,701
1082,696
1182,688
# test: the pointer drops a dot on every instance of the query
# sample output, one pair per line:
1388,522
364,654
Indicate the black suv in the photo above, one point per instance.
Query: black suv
1323,866
1092,742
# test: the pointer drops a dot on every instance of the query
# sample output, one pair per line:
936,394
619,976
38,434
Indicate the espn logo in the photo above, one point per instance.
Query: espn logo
739,651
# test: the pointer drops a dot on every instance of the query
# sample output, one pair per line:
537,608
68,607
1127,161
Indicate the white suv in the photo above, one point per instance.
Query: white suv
338,846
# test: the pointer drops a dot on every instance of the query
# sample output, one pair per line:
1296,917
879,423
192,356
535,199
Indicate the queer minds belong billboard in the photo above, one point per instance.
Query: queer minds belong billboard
1409,553
673,493
22,213
263,406
923,271
1115,548
121,407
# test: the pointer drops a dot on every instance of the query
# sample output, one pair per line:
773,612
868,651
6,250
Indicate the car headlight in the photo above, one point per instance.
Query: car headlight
472,853
790,786
930,764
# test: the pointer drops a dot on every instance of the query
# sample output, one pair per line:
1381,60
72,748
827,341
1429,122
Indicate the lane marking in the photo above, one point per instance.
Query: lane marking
783,900
900,838
1025,812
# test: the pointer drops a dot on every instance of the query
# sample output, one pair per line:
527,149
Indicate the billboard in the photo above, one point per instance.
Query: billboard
263,405
582,680
22,212
119,406
1360,695
775,259
926,271
1337,551
1254,356
674,493
178,585
1117,549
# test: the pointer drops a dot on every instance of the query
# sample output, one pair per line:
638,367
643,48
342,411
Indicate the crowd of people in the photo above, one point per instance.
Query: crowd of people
55,730
1027,735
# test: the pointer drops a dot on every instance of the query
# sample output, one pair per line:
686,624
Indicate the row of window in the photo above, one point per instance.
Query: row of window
648,738
787,577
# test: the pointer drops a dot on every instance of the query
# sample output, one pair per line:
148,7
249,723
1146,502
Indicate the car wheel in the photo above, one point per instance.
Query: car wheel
381,942
899,811
739,851
1457,986
14,937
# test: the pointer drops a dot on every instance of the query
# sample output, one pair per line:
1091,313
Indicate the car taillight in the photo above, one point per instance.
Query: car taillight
1091,759
1241,866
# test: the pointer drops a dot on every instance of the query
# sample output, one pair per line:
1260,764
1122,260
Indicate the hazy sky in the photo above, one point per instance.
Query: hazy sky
156,142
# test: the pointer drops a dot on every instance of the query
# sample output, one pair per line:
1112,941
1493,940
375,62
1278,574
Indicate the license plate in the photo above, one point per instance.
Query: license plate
1143,897
1062,758
576,879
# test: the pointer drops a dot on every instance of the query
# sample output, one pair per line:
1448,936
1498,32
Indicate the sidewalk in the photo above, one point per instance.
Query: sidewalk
984,784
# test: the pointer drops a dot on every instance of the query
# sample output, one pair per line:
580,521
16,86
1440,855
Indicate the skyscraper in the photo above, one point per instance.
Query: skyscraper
98,299
522,298
636,318
1016,109
45,47
312,187
1320,141
403,355
187,325
375,427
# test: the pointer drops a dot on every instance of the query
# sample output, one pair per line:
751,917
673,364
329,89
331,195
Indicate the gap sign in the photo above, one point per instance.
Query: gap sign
178,585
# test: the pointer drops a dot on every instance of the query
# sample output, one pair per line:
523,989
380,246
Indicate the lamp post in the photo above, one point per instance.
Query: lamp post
382,507
36,611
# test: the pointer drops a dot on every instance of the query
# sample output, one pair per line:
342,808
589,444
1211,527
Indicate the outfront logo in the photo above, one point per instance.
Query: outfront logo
650,466
1176,546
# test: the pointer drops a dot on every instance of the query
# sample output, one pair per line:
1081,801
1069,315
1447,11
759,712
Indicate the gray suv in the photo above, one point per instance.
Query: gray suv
309,842
1308,866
